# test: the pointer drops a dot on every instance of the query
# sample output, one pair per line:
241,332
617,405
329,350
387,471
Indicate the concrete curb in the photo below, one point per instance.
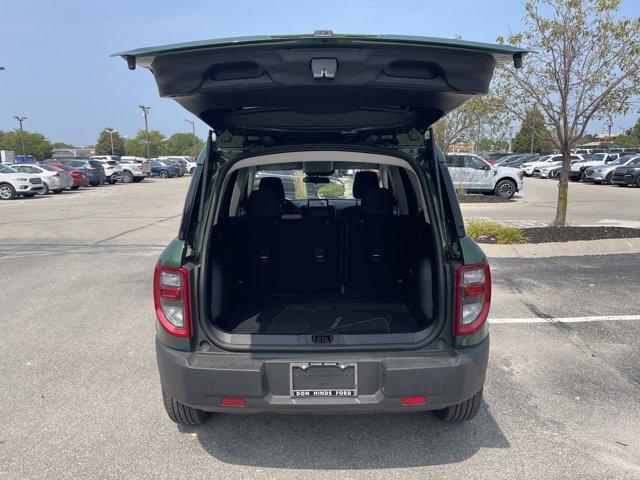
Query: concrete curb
563,249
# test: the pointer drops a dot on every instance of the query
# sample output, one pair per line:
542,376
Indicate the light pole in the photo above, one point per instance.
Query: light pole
145,112
510,136
20,120
193,131
111,132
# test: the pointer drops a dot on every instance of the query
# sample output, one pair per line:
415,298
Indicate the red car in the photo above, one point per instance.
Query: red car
79,176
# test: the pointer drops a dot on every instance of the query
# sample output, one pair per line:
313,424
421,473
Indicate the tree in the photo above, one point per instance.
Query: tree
61,145
35,143
532,136
103,146
183,144
137,146
584,62
480,120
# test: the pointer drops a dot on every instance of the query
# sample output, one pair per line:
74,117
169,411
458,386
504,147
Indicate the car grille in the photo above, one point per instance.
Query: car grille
35,181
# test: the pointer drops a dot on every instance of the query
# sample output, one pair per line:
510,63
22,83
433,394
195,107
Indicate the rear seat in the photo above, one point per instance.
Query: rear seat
319,255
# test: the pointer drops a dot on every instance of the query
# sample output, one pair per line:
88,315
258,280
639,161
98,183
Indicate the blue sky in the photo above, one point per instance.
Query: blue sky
59,73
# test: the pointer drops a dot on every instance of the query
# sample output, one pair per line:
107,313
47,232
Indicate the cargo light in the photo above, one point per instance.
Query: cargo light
473,298
172,300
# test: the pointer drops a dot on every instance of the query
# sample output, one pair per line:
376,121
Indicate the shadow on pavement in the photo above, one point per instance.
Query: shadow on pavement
346,442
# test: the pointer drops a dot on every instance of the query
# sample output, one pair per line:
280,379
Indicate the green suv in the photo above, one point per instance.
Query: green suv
363,296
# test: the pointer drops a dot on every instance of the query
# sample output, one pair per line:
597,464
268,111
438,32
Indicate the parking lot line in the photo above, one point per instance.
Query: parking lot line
600,318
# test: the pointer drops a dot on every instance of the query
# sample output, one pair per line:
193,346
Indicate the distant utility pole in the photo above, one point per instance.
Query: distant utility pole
20,120
145,112
532,133
609,126
193,130
111,132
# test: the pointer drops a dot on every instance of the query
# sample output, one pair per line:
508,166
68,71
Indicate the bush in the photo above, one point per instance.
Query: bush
486,231
331,190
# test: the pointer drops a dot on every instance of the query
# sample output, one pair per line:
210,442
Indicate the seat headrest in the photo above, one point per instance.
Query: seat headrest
377,202
274,184
263,203
363,182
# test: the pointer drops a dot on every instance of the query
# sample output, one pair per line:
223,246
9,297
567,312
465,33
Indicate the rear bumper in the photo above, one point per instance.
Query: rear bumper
201,379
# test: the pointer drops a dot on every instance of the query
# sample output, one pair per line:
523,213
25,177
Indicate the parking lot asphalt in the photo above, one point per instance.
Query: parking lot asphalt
589,204
82,398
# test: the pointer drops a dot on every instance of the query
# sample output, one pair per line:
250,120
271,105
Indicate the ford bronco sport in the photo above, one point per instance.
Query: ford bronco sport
366,296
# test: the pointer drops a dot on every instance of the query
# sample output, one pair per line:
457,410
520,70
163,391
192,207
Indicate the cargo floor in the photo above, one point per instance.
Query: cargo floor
339,314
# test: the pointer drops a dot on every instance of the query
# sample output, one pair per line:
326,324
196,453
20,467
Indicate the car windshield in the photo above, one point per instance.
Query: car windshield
5,169
75,163
599,157
300,186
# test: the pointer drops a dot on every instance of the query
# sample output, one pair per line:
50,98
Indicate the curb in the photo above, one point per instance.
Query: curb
578,248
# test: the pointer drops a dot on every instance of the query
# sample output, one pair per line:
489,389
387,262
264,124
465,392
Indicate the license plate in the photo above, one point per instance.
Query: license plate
324,379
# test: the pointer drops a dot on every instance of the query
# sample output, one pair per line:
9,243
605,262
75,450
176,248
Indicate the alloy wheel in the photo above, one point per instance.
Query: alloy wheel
6,192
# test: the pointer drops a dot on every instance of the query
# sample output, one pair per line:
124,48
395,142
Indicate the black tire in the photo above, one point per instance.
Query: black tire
609,179
183,414
94,184
461,412
7,192
638,181
75,187
163,174
112,182
57,190
505,188
191,171
46,190
127,177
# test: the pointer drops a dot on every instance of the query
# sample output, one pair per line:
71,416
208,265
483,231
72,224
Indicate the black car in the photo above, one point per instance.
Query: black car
373,301
628,174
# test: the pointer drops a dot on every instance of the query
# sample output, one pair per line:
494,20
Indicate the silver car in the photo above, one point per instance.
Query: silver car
604,173
54,180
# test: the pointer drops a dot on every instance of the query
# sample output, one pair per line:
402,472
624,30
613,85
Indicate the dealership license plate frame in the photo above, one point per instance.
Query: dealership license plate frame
320,392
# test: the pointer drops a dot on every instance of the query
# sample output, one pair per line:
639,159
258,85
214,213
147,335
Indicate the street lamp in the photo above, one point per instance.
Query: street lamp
193,130
20,120
145,112
111,132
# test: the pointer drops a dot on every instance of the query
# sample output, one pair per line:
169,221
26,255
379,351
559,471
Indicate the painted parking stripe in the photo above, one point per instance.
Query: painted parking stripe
602,318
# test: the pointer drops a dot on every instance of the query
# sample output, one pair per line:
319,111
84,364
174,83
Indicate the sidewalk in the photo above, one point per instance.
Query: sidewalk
563,249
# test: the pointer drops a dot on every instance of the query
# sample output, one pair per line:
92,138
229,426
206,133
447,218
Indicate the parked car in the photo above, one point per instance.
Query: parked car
493,157
134,169
471,172
54,180
176,161
628,174
236,260
14,183
163,169
92,168
78,175
529,167
516,160
578,168
604,173
112,168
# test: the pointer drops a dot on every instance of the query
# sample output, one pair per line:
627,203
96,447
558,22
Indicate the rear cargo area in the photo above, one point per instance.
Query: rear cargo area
305,276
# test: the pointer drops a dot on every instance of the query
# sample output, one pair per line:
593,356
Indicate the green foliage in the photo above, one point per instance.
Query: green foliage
137,146
533,128
486,231
61,145
183,144
103,146
35,143
331,190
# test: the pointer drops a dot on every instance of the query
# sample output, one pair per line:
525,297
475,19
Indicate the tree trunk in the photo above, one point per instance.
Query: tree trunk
563,189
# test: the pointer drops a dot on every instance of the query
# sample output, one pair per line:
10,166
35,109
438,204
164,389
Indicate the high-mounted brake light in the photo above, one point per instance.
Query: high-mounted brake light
473,298
172,300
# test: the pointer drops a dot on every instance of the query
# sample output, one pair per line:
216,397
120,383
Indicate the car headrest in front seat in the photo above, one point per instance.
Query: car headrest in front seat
363,182
274,184
263,203
377,202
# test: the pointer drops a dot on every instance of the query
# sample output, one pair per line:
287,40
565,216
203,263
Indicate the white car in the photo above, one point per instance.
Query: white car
112,168
54,180
134,169
13,183
472,173
528,168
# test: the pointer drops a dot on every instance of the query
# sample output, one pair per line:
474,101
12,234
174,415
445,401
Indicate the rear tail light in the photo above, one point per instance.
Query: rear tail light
417,400
233,402
473,298
172,300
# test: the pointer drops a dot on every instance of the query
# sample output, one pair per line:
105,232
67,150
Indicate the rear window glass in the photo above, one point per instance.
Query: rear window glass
95,163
